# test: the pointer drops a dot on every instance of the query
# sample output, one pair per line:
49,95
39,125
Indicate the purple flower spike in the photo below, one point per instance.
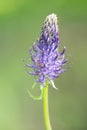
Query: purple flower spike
47,61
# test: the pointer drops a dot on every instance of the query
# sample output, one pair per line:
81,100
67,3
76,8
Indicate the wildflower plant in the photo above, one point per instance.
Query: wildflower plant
47,62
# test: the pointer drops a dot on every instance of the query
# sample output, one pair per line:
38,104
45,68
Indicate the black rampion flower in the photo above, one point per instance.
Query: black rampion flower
47,61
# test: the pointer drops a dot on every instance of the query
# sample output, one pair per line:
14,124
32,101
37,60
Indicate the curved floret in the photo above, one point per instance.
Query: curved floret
47,61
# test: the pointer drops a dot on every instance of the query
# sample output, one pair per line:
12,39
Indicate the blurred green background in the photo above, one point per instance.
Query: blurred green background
20,26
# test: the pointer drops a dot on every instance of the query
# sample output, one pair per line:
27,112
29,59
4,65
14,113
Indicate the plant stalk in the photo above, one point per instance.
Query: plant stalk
46,108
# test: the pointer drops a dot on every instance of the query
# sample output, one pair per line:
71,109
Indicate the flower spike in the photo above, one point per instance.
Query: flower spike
47,61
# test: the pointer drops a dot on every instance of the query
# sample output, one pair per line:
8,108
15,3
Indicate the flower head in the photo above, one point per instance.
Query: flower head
47,61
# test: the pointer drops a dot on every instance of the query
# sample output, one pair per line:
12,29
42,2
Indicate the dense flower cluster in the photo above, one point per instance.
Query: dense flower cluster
47,61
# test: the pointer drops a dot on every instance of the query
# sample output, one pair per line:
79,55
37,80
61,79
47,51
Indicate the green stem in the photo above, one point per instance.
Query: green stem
45,108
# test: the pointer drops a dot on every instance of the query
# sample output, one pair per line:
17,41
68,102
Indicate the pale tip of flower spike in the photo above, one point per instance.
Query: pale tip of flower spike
52,17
